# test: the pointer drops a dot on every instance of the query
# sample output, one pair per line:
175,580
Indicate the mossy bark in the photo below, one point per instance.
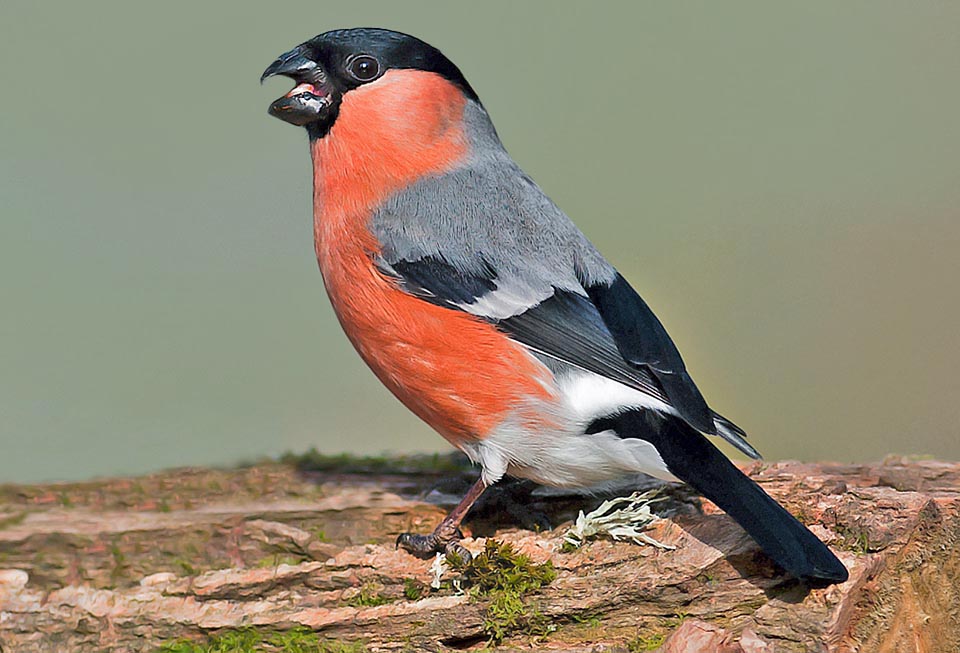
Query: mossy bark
128,564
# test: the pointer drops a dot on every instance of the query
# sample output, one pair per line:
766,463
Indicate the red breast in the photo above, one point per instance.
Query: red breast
455,371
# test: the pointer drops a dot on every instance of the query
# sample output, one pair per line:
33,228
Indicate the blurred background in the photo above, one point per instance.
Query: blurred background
779,182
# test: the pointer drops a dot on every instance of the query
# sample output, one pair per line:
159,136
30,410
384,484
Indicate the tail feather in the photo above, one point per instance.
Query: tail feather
692,458
734,435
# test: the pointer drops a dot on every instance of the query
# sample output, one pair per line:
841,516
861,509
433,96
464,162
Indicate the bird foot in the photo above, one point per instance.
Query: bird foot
427,546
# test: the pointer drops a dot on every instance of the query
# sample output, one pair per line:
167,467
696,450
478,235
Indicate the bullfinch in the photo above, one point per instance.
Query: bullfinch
484,309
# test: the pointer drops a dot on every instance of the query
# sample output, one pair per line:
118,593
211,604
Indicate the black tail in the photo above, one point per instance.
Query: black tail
693,459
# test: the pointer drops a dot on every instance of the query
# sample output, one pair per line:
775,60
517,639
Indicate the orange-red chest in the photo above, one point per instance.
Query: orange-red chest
456,372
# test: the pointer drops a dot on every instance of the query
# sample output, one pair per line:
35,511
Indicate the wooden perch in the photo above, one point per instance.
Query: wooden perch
126,565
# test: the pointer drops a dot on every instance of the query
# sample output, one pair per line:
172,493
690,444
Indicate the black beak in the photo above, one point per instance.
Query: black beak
312,100
292,64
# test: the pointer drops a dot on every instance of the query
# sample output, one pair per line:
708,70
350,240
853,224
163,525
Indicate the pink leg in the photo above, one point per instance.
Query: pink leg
447,533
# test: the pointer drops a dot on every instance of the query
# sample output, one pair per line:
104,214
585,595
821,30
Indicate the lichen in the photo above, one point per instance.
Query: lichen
623,518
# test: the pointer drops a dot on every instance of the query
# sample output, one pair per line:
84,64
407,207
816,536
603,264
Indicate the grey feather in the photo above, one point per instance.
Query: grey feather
488,212
485,239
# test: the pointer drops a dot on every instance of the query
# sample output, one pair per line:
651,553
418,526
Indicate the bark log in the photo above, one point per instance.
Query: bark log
125,565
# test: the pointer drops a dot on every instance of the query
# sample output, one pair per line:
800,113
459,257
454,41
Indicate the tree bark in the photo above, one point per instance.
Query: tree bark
124,565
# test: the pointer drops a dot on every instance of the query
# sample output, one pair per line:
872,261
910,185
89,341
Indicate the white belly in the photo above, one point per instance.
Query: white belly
566,456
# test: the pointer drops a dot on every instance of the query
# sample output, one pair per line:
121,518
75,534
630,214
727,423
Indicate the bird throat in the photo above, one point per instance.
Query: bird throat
406,126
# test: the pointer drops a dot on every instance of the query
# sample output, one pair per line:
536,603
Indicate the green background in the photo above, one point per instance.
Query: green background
780,181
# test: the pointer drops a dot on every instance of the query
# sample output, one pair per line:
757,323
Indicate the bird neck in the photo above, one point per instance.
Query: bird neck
406,126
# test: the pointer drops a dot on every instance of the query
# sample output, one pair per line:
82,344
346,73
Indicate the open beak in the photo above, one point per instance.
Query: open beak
310,100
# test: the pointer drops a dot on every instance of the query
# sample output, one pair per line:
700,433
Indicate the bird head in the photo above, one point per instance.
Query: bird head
328,67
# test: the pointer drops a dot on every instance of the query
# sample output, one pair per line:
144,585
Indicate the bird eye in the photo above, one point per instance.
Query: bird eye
363,68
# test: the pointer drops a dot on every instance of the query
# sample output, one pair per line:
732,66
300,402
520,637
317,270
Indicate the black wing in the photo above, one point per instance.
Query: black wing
608,330
643,341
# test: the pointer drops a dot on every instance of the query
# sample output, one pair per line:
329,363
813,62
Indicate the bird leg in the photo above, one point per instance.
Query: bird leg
446,537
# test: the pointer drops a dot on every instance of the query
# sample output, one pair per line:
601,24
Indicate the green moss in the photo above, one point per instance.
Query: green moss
277,559
674,622
801,511
568,547
367,597
590,620
12,520
503,577
120,564
412,589
185,567
752,605
854,538
302,640
500,568
247,640
314,461
235,641
645,643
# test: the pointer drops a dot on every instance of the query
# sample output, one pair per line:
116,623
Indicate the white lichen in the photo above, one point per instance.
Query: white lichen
438,569
623,518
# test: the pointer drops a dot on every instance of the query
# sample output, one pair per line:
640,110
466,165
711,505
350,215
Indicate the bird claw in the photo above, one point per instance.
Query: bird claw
426,546
454,548
421,546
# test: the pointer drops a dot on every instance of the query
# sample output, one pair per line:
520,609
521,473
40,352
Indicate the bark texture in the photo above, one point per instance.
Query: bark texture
126,565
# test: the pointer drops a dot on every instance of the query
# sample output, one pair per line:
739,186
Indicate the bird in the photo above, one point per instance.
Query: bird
481,306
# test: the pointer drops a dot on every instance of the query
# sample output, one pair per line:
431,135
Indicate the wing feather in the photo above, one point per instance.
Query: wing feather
591,331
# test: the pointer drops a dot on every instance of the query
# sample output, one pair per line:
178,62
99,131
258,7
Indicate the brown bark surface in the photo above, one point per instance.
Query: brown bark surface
125,565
